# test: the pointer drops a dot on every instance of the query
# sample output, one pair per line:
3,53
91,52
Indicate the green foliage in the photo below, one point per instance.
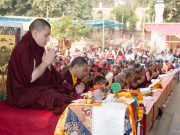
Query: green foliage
5,5
61,28
75,8
99,15
21,7
14,7
83,9
151,11
64,29
172,11
38,8
122,14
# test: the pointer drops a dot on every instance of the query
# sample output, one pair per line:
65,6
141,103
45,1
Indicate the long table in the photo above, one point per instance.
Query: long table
77,112
159,99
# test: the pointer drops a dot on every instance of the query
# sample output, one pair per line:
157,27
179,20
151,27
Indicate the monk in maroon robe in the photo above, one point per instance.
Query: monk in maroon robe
32,82
74,75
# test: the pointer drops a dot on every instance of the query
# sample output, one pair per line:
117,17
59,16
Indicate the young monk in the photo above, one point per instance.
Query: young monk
32,82
73,76
100,83
149,75
165,67
154,71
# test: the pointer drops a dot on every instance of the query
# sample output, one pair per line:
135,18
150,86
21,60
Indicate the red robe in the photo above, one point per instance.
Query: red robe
71,89
47,92
68,77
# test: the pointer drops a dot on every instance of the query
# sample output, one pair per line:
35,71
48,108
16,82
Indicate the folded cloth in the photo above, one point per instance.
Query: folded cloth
108,119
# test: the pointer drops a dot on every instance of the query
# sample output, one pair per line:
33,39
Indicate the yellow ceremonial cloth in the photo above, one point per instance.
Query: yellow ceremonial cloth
62,120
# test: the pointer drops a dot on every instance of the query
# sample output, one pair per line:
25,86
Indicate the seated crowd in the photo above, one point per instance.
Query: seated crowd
129,73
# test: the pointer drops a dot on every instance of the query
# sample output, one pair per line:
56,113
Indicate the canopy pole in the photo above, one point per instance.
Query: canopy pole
103,34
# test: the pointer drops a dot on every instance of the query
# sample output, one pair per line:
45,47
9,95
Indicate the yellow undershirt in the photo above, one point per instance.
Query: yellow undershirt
74,78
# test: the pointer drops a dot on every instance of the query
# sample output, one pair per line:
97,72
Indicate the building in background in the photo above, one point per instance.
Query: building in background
163,35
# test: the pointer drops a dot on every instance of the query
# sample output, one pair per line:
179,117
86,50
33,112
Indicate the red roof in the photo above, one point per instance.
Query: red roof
164,28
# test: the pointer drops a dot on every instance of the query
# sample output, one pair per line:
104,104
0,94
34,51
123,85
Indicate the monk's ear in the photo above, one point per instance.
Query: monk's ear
34,33
75,66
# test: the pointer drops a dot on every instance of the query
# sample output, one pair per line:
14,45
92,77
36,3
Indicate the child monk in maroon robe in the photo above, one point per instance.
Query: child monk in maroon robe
32,82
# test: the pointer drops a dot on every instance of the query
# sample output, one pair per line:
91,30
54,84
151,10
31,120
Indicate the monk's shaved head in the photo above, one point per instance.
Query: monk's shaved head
79,67
38,25
40,30
78,61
